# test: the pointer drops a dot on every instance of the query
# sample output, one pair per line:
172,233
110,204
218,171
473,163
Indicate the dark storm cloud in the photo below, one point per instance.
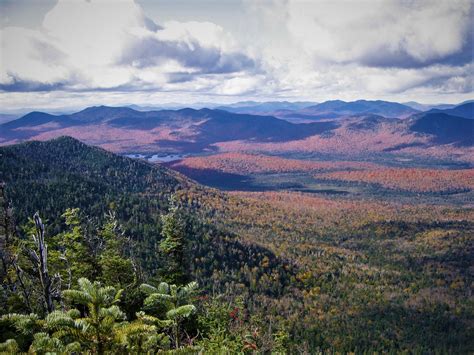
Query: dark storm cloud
150,52
20,85
175,78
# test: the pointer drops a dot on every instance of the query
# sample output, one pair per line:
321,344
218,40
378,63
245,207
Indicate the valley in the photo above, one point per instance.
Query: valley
351,233
377,177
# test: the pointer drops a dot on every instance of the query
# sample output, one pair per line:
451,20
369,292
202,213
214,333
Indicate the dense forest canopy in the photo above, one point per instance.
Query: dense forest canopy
142,259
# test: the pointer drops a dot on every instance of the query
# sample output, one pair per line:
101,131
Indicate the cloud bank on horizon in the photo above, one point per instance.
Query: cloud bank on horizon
125,51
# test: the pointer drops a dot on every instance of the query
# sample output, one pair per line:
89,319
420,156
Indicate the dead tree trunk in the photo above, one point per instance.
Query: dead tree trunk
41,260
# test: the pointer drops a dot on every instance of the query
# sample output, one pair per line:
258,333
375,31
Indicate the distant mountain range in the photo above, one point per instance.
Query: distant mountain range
269,108
123,129
253,107
179,129
308,111
464,110
338,108
325,110
427,107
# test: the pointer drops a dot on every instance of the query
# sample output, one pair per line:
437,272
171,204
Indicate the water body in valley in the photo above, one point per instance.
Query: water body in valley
157,158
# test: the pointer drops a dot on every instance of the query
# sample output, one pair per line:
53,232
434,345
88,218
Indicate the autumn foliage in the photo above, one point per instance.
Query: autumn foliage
420,180
245,163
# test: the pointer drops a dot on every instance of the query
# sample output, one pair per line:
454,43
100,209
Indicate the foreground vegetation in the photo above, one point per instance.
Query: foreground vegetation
54,308
276,271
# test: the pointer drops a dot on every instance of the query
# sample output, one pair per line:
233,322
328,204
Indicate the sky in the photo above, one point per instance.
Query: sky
77,53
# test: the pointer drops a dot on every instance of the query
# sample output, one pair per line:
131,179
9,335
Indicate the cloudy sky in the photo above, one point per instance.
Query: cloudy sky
74,53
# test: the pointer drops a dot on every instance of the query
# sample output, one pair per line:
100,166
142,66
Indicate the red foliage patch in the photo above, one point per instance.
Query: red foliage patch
422,180
243,163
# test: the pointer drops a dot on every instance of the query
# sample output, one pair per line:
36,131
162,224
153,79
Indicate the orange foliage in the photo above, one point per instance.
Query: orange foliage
292,223
243,163
422,180
346,141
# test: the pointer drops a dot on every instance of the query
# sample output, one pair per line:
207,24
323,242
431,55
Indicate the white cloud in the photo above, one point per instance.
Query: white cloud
209,34
239,86
99,44
92,32
29,52
289,49
365,49
391,30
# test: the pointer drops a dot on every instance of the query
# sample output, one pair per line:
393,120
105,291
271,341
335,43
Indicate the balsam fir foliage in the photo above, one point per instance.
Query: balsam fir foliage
174,244
88,315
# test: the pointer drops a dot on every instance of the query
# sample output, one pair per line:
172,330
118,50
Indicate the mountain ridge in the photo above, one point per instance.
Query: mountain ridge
465,110
342,108
204,125
187,130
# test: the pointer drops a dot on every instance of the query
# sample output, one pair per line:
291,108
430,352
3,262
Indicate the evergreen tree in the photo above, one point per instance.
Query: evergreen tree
173,244
74,250
176,301
116,269
100,327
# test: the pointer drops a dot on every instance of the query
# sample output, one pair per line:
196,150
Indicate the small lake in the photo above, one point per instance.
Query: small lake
157,158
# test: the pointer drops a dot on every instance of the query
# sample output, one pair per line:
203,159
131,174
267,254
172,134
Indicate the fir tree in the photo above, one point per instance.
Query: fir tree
173,244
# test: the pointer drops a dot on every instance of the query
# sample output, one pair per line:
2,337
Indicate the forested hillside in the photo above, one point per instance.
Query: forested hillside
277,271
67,181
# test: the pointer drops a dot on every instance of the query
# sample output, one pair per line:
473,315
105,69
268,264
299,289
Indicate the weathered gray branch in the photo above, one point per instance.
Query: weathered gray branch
42,263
